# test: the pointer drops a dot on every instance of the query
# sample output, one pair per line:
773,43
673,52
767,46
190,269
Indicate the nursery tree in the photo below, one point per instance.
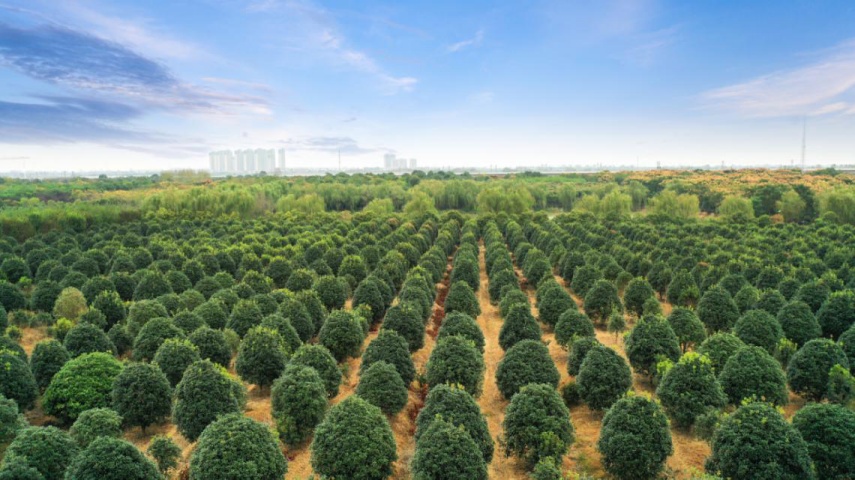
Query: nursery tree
390,347
519,325
752,373
447,452
689,389
829,431
526,362
48,450
261,357
298,403
455,360
652,337
82,383
204,393
142,395
235,446
807,372
687,326
342,335
537,425
95,423
319,358
798,322
381,385
717,310
108,457
455,405
634,439
603,377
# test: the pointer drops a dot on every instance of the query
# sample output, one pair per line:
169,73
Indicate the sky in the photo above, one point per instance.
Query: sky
124,84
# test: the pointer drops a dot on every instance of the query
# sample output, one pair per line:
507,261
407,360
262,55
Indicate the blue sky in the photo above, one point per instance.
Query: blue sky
117,84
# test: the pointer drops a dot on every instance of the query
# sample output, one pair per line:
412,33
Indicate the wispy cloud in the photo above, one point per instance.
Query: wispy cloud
312,28
76,60
818,88
647,47
470,42
345,145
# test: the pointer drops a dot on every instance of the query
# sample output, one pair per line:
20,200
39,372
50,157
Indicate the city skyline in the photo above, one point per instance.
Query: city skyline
120,85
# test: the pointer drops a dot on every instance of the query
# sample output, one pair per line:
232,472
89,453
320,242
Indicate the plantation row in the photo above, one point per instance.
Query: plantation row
169,337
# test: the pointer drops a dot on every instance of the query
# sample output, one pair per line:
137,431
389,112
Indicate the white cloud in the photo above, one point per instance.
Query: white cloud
482,98
471,42
813,89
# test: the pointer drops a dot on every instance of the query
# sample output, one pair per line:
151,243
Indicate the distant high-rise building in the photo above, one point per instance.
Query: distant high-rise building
389,161
281,160
412,163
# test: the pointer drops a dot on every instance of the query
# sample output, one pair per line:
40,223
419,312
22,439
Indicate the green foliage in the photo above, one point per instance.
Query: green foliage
298,403
603,377
458,323
152,285
455,360
683,291
204,393
404,320
735,209
651,337
798,322
174,356
342,335
368,293
601,300
756,442
461,298
634,439
212,345
572,324
69,304
546,469
262,356
48,450
719,348
519,325
554,302
837,314
752,373
96,423
151,337
687,326
717,310
16,380
245,315
446,451
526,362
141,312
381,385
235,446
353,441
453,404
391,347
332,291
760,328
165,452
142,395
689,389
829,431
11,298
319,358
86,338
579,348
637,292
11,420
584,277
807,371
537,425
122,340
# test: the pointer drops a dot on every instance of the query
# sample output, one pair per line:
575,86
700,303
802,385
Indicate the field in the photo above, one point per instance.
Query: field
629,325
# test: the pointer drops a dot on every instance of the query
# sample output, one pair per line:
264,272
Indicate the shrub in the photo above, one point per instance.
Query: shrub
847,343
213,312
152,285
188,322
526,362
637,292
11,420
837,314
651,337
756,442
555,301
807,372
689,389
7,343
11,297
572,324
455,405
760,328
262,356
537,425
719,348
342,335
404,320
331,291
353,441
455,360
95,318
165,452
687,326
381,385
771,301
546,469
829,431
121,339
298,315
46,449
174,356
212,345
245,315
746,298
96,423
798,322
48,358
603,377
151,337
368,293
499,280
634,439
235,446
461,298
86,338
204,393
752,373
390,347
18,469
319,358
446,451
69,304
510,298
142,395
717,310
16,380
298,403
458,323
584,278
601,300
141,312
578,350
45,295
519,325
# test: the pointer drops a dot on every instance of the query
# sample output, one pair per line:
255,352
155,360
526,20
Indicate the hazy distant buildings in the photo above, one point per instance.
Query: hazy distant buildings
246,162
391,162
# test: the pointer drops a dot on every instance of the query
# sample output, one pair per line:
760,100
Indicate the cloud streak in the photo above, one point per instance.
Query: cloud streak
345,145
819,88
464,44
